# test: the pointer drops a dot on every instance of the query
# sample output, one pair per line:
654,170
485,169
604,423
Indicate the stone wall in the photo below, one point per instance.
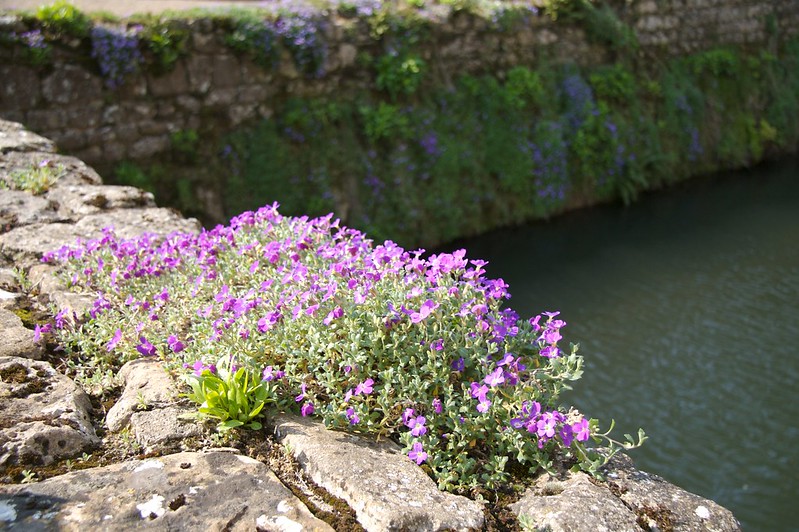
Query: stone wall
213,89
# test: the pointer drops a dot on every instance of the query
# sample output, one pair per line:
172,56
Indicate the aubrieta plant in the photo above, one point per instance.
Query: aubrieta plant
371,338
117,52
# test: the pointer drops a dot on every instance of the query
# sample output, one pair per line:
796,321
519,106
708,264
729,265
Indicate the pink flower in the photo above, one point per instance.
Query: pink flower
417,453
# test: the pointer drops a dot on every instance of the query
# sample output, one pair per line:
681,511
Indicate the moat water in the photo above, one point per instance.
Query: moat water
686,308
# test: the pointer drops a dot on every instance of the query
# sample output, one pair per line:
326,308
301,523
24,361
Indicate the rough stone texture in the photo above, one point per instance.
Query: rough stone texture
74,171
17,340
186,491
641,491
45,416
146,384
629,500
553,505
150,406
386,490
161,425
77,201
20,208
14,137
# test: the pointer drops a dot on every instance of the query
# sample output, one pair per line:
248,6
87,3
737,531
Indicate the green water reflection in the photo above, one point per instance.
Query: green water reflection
686,307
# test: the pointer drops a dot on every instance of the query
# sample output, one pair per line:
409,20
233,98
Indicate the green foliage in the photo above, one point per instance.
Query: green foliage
603,25
129,173
717,63
385,122
63,19
186,144
234,396
399,74
165,41
254,37
614,83
36,179
524,88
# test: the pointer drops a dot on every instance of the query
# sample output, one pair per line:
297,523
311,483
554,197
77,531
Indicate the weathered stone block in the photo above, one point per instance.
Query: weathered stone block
226,71
20,88
200,70
171,83
149,146
45,416
18,341
386,490
76,201
184,491
70,84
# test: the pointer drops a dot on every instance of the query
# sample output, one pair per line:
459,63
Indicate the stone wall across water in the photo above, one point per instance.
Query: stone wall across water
211,87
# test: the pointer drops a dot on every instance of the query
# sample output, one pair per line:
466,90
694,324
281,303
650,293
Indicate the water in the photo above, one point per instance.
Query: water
686,308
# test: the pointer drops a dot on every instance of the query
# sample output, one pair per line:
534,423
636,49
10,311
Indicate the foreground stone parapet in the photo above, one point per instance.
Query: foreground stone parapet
629,500
45,416
385,488
184,491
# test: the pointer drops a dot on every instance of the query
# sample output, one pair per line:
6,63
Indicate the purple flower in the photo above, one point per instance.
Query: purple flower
438,345
145,347
437,406
427,308
417,453
271,374
581,430
114,341
365,387
334,314
301,396
494,378
60,319
479,391
39,330
407,415
174,344
352,416
307,409
458,365
416,424
268,321
566,435
483,406
199,367
550,351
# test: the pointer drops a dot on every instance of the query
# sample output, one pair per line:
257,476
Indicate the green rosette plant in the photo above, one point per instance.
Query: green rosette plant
231,394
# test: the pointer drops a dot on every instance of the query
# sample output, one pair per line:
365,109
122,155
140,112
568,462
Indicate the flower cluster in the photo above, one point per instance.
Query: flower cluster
295,27
117,52
369,337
